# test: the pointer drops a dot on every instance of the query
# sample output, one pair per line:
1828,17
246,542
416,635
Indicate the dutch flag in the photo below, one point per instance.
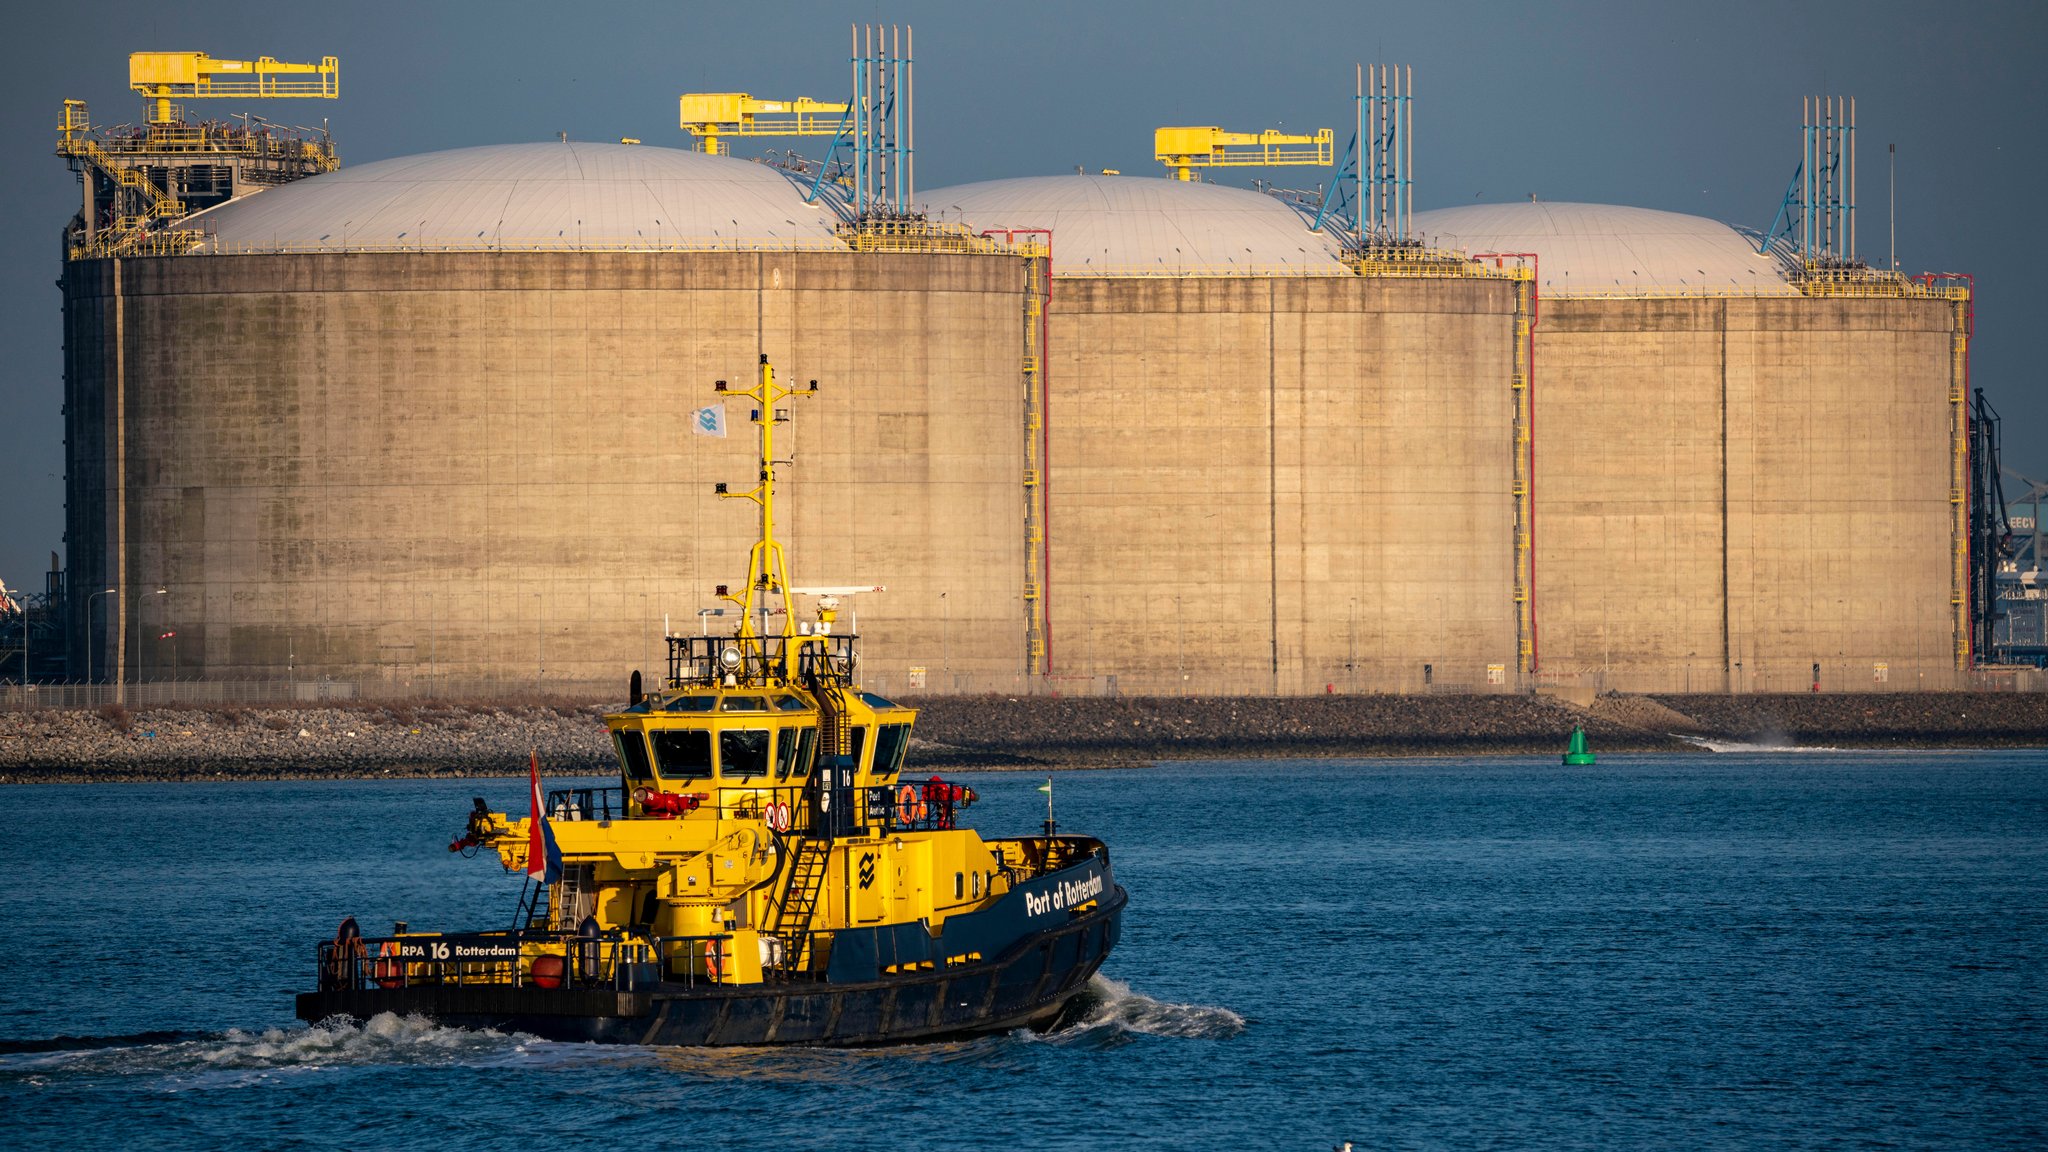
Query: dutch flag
543,858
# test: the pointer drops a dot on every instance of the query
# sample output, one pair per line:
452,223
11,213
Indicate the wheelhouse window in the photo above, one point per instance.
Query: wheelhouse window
792,704
858,740
743,704
890,744
692,704
682,753
793,750
743,752
633,753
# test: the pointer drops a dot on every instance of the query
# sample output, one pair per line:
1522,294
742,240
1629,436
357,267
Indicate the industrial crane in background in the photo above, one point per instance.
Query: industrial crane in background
874,186
161,77
1185,149
139,178
2019,588
711,116
31,632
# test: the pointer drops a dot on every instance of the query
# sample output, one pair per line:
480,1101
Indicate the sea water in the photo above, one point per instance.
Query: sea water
1771,950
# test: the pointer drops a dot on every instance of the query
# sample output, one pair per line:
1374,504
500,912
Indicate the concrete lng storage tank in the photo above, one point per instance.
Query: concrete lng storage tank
427,422
1740,484
1268,472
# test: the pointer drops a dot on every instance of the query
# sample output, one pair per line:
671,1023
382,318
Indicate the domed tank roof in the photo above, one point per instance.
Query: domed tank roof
566,195
1135,225
1607,250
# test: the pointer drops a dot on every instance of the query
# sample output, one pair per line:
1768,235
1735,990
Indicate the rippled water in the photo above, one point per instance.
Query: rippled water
1766,950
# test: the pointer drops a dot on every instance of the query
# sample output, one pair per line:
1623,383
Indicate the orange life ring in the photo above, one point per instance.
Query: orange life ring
714,958
910,805
390,973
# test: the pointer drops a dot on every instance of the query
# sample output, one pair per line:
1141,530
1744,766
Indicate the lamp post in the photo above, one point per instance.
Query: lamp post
88,628
138,637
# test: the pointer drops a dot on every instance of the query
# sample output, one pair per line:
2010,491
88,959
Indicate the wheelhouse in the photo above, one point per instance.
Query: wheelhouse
693,740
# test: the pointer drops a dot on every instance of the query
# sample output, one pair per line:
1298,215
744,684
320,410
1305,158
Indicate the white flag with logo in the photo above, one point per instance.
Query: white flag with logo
709,421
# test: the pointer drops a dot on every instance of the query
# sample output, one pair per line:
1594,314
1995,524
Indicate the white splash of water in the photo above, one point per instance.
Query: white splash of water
1108,1008
1777,744
238,1057
383,1039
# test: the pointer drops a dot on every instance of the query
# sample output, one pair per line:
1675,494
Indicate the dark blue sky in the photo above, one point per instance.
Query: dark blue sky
1688,108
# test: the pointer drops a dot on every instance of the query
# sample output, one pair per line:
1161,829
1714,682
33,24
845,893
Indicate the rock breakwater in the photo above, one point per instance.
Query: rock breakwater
209,743
980,733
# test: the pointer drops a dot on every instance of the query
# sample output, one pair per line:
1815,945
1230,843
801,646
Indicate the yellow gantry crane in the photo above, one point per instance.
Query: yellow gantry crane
137,178
161,77
1185,149
712,115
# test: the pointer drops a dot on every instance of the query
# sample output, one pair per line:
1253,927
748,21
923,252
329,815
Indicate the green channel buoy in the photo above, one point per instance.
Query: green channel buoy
1577,754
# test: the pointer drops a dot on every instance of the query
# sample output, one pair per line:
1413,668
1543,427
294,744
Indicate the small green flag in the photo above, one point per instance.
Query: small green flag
1047,786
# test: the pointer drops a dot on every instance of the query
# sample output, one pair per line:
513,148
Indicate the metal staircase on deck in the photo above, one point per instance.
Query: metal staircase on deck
798,904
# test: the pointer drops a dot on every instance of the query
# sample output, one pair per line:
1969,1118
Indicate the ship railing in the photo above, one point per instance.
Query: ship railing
572,804
751,661
519,959
915,805
834,661
887,807
1035,856
904,806
782,805
778,800
692,960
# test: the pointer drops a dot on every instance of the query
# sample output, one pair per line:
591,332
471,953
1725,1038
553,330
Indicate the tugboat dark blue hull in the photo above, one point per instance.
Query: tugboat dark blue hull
1032,984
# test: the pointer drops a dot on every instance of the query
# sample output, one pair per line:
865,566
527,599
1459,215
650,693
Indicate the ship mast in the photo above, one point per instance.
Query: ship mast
767,572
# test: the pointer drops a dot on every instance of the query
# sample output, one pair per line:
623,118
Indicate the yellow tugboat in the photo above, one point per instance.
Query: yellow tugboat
763,873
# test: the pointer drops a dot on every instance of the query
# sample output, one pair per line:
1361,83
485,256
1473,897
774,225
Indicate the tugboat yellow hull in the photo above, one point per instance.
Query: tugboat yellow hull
1031,985
763,872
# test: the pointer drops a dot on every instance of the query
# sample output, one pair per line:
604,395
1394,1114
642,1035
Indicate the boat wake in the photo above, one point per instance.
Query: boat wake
1108,1012
1768,744
235,1057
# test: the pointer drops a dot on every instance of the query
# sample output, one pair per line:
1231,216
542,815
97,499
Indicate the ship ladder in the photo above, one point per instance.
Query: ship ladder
837,729
799,903
808,862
